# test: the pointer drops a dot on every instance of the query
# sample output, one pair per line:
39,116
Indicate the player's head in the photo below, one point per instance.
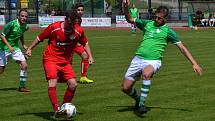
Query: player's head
161,15
79,8
71,18
23,15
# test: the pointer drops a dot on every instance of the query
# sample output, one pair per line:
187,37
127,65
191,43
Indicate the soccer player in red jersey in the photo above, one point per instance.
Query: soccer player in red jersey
62,39
79,49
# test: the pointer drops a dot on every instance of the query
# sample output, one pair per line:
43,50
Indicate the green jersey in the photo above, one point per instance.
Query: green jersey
12,32
134,12
155,39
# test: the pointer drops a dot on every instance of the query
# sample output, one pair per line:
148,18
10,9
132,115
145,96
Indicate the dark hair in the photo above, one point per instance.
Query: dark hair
72,16
23,9
77,5
163,9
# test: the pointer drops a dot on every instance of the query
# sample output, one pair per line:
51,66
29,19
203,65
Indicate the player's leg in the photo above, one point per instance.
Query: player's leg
2,69
203,22
146,83
70,91
84,64
135,27
20,59
51,76
133,73
84,68
149,68
128,88
23,77
212,22
69,75
206,22
52,93
132,28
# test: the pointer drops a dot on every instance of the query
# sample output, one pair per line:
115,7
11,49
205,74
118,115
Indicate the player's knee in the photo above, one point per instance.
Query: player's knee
24,66
72,84
126,89
146,76
52,83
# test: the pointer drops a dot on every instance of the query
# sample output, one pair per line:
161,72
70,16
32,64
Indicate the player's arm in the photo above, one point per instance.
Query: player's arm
88,50
44,35
6,43
23,42
126,4
33,44
7,29
189,56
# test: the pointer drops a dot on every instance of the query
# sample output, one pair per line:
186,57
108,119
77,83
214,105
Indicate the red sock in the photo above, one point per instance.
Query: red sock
53,98
68,95
84,67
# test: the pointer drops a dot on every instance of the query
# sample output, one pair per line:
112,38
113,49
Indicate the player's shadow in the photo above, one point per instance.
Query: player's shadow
47,115
131,108
44,115
8,89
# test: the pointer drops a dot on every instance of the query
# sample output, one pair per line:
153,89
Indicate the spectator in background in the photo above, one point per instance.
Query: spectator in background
206,16
53,13
108,10
59,12
134,14
212,19
198,17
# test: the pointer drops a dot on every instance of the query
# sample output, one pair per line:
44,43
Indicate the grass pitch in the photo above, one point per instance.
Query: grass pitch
177,93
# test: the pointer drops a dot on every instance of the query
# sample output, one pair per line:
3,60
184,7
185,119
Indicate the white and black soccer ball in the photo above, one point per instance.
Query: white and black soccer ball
69,109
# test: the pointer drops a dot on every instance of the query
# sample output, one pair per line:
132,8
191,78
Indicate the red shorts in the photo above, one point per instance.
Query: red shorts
79,49
55,70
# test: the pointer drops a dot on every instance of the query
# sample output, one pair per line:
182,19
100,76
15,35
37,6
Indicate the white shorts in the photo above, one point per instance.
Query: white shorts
17,56
137,65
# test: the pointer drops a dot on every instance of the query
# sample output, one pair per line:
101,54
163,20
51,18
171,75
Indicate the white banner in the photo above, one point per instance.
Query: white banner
121,21
2,20
44,21
96,22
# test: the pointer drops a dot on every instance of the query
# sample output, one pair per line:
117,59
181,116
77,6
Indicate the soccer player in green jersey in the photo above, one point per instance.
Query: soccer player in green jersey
147,59
9,46
134,14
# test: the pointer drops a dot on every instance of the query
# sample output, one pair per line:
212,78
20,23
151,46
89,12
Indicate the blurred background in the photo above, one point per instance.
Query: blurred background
180,10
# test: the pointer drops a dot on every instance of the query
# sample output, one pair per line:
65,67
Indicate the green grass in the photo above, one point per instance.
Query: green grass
177,93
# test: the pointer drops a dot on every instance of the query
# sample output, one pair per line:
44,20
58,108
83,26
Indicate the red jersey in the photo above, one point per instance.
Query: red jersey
61,43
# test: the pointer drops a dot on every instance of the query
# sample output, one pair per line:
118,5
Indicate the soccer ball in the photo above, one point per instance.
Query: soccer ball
70,109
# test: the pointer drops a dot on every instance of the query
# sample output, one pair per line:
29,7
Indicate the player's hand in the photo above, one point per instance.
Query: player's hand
11,49
28,52
91,60
197,69
25,47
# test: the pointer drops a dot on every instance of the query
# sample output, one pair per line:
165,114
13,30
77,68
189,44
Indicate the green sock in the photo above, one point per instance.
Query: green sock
133,94
22,78
144,91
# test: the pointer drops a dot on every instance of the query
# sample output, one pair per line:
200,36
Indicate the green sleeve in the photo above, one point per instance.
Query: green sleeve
172,37
141,23
7,28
